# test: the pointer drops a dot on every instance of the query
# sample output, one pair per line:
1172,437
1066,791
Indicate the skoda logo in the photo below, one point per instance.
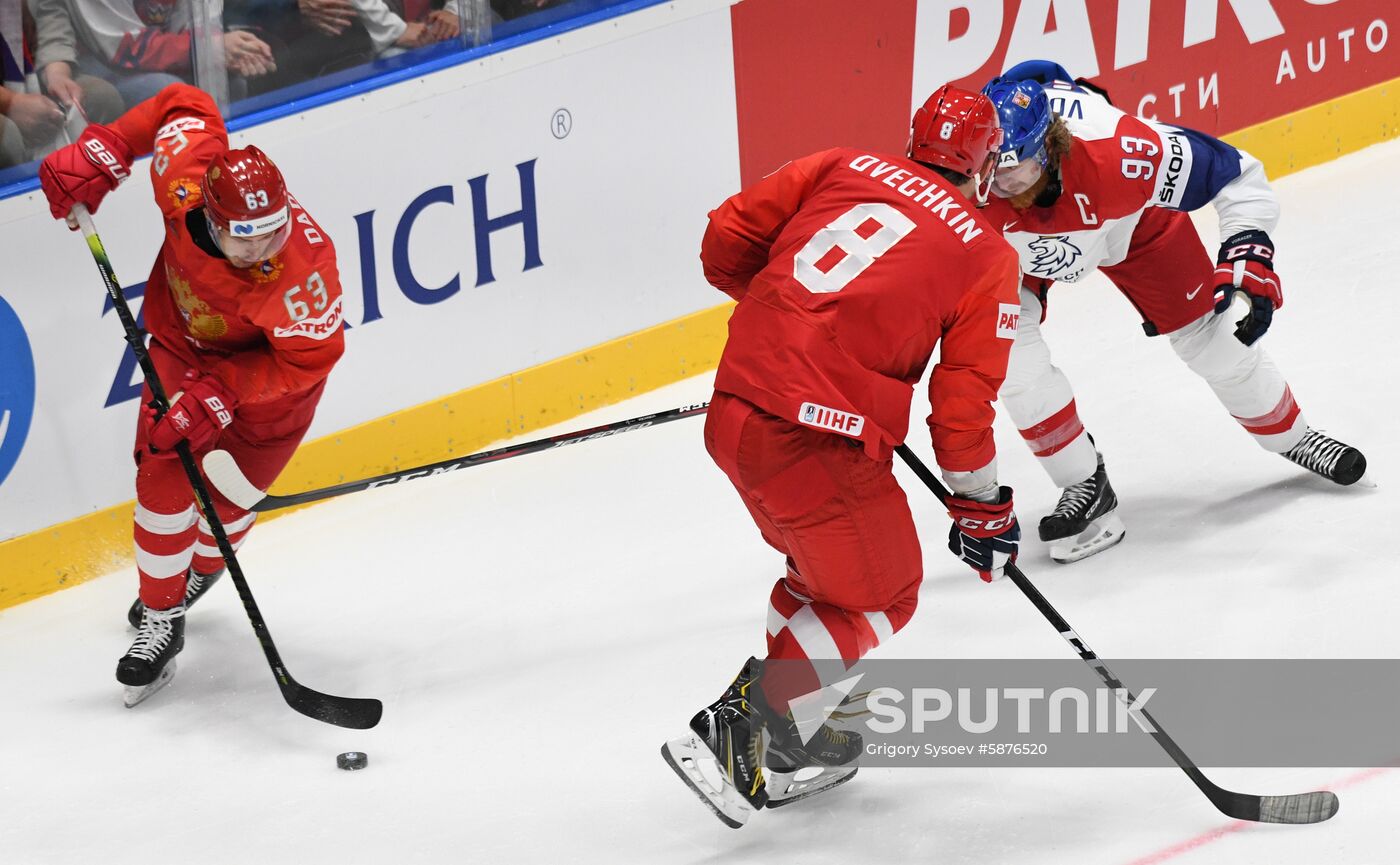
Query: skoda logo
16,388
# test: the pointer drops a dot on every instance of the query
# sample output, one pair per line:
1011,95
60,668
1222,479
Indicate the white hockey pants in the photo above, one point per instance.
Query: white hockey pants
1040,400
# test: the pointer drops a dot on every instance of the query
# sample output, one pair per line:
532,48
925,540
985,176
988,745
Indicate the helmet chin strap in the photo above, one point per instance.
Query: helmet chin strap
983,187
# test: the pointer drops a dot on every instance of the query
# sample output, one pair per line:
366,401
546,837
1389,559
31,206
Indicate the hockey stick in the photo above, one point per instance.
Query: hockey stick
352,712
1297,808
224,473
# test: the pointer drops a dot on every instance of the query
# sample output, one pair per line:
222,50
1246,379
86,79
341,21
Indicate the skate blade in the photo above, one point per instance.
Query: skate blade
688,756
140,693
784,788
1099,536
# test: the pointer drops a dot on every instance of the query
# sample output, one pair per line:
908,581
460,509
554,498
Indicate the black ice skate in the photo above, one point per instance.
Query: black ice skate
196,585
798,769
149,664
1085,521
1340,463
722,759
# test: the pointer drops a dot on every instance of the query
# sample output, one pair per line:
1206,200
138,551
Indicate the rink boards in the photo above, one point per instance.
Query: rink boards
517,234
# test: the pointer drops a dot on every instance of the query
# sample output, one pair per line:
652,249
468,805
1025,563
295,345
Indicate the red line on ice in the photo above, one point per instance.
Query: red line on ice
1213,835
1191,844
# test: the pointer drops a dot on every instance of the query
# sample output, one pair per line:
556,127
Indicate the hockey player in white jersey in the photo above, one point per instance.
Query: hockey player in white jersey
1082,185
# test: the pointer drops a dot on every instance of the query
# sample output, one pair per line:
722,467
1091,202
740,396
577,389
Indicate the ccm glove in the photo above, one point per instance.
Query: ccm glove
986,535
1246,263
197,415
85,171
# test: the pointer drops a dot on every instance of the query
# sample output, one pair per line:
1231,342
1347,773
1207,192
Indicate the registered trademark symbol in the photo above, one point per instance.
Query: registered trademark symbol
561,123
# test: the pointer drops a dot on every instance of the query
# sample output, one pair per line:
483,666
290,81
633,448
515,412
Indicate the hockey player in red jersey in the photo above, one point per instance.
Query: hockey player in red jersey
243,308
1082,186
849,268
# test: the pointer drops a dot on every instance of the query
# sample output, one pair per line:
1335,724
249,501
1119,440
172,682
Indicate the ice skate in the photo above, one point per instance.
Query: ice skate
149,664
196,584
797,770
1084,521
721,760
1321,454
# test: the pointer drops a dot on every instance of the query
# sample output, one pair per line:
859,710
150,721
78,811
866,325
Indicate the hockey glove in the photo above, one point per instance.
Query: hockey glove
85,171
1246,263
197,416
986,535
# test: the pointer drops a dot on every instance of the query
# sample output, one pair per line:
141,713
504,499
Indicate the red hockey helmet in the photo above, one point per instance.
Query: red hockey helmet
958,129
246,199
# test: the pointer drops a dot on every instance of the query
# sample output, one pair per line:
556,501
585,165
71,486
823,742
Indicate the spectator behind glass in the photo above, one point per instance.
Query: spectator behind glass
309,38
139,45
312,38
509,9
30,122
396,26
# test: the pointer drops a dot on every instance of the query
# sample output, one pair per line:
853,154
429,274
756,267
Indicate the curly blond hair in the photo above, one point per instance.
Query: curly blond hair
1057,140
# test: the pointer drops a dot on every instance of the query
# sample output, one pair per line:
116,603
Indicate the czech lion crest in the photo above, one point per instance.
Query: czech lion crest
1054,254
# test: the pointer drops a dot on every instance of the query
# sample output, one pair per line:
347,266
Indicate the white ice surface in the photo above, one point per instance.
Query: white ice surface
537,627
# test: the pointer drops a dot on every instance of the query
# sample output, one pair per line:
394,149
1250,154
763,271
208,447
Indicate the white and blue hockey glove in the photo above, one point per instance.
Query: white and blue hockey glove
1246,263
986,535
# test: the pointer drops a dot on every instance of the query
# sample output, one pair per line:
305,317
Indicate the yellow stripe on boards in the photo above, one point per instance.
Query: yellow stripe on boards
66,554
1323,132
462,423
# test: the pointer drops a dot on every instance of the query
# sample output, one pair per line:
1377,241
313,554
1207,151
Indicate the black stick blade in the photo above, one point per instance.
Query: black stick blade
353,713
1298,808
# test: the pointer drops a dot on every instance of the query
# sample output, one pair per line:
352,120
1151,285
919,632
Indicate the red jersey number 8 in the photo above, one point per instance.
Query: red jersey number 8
820,272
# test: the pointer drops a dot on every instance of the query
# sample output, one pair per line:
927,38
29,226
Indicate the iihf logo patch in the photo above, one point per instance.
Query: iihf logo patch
822,417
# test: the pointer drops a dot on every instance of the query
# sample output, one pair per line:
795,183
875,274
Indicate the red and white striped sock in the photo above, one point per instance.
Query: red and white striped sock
1281,427
164,547
800,629
1062,446
207,559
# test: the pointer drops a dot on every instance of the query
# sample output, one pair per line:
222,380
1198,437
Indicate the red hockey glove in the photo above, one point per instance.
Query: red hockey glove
85,171
197,416
1246,263
986,535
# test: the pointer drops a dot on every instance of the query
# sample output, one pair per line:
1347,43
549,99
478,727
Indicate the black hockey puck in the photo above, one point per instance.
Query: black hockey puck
352,760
